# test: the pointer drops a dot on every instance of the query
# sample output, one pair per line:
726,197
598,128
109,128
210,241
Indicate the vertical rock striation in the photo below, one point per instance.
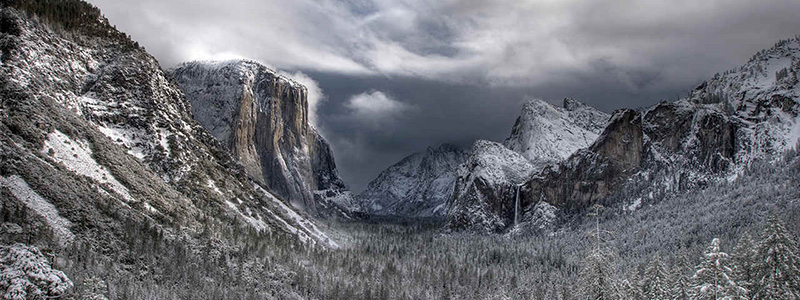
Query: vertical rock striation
263,120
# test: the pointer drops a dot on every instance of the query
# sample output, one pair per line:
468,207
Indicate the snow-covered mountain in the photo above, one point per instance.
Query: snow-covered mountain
743,115
546,134
96,139
416,186
488,185
262,118
543,134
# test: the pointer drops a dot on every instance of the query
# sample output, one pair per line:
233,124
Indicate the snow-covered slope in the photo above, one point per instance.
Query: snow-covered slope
91,124
416,186
764,93
262,118
546,134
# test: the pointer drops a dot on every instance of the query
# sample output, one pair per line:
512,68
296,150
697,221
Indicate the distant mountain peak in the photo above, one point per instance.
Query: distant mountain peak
416,186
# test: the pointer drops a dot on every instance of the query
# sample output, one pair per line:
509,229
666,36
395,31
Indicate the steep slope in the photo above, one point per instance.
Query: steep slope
416,186
92,126
742,116
546,134
262,118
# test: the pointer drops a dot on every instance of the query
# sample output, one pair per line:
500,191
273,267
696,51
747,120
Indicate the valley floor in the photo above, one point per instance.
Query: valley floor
404,260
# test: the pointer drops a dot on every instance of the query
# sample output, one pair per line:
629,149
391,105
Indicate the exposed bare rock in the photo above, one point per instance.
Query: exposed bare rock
263,120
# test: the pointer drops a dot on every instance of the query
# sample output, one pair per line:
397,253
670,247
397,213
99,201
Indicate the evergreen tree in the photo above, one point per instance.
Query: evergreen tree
596,277
681,289
742,259
629,288
777,268
714,277
681,285
655,284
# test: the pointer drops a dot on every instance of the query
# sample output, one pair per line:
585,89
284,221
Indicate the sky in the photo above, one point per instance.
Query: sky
387,78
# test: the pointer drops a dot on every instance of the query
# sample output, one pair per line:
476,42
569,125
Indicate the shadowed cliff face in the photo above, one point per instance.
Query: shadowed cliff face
593,173
263,119
485,189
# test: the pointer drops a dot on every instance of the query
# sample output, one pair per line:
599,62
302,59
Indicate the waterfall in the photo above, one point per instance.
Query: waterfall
516,206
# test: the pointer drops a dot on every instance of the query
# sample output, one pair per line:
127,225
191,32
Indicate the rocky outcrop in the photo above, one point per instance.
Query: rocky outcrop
419,185
747,114
592,173
263,120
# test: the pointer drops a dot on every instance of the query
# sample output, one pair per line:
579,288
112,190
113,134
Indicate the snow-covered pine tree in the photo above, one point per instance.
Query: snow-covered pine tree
629,288
596,277
742,259
777,267
714,278
656,281
25,273
681,285
681,289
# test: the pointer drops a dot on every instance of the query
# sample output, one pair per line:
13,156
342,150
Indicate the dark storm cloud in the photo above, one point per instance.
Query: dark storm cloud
392,77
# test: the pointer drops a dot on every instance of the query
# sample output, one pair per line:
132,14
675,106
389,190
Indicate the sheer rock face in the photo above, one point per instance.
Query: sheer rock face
263,120
593,173
746,114
419,185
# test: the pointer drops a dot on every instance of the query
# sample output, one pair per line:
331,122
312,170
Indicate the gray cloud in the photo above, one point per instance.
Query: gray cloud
464,66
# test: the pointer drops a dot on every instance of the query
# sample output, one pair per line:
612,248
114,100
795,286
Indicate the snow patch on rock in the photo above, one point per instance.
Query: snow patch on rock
23,192
76,156
307,229
416,186
256,221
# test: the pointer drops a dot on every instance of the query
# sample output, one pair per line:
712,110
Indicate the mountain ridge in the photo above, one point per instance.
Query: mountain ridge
739,117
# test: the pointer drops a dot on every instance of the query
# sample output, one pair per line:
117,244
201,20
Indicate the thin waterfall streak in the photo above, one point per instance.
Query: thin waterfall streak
516,207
